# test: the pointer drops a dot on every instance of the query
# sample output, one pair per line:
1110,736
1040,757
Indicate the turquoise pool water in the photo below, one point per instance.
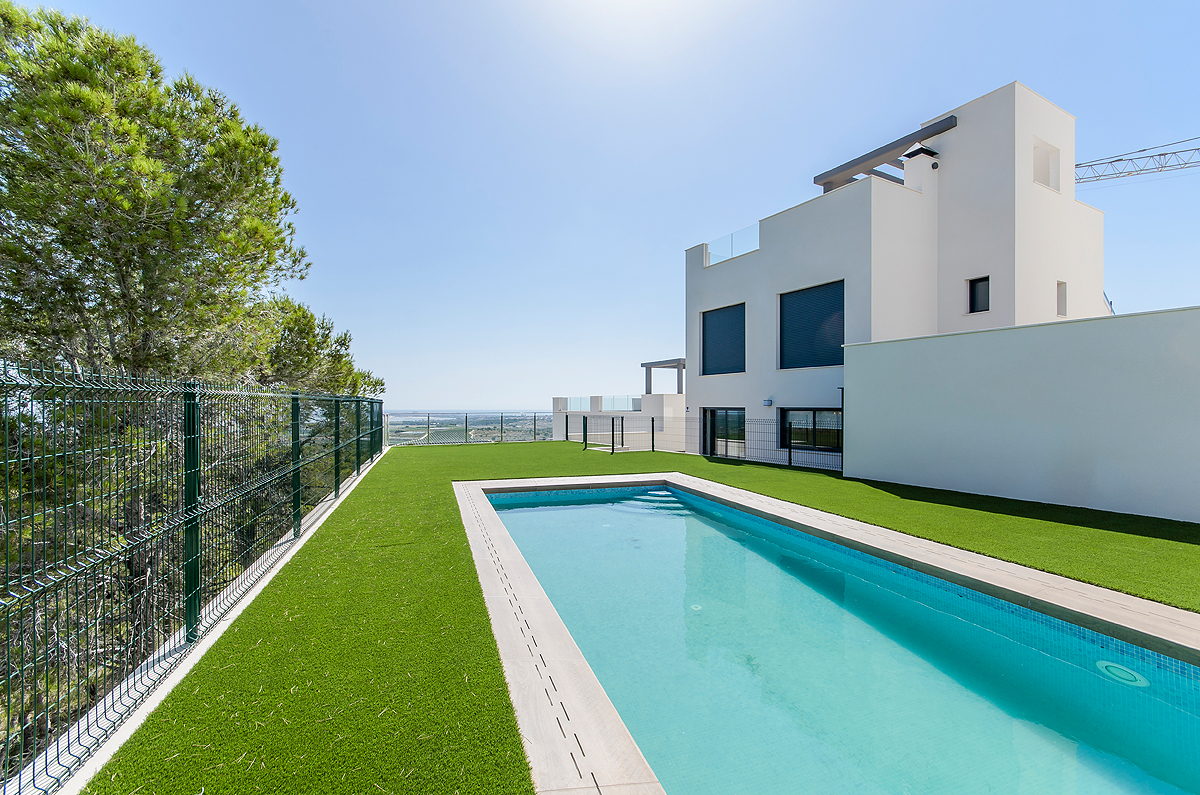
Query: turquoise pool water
746,657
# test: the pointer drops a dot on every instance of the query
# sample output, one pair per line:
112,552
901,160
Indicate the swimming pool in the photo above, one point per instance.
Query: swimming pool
746,656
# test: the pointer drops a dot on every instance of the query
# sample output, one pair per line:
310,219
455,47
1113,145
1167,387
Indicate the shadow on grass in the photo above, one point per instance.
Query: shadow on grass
1129,524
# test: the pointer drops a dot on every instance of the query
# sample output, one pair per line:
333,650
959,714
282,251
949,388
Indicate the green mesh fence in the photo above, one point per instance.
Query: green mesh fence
135,512
448,427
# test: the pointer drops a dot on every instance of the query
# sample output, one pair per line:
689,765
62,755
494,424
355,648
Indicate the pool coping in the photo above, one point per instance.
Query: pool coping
573,737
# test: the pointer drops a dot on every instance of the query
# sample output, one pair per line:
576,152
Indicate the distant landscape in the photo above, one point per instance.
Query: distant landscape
468,427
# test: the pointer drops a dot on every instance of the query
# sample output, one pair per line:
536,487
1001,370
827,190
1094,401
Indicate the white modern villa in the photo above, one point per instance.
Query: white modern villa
969,223
936,317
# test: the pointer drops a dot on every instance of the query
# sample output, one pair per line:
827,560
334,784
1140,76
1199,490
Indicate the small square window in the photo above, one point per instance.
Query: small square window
978,295
1062,299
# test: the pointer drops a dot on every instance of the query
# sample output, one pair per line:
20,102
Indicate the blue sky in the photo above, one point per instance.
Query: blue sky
496,195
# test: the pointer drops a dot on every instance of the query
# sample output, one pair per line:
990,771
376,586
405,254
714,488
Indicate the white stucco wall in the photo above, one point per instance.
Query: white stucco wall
995,220
664,405
976,213
904,227
1058,238
1099,412
822,240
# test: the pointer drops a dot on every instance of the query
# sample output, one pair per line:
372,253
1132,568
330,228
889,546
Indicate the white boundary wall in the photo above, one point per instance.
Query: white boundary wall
1101,412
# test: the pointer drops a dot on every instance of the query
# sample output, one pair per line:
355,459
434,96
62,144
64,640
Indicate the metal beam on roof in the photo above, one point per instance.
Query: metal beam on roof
845,173
874,172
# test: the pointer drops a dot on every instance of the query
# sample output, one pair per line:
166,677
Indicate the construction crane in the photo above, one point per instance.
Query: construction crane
1131,164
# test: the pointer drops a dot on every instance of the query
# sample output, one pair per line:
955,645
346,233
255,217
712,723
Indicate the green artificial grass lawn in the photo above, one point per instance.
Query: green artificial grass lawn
368,664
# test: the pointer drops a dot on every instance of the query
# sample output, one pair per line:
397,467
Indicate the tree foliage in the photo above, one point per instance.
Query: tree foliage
143,222
307,355
144,228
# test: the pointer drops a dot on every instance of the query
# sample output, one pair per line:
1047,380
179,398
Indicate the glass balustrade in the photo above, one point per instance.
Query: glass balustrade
733,245
621,403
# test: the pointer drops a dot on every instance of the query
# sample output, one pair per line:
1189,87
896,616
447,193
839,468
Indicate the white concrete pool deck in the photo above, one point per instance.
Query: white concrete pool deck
573,736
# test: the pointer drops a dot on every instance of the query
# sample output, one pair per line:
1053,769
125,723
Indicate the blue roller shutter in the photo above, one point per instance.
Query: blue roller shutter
723,340
812,326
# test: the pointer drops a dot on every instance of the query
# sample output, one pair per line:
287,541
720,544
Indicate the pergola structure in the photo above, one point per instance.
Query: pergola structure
885,156
677,365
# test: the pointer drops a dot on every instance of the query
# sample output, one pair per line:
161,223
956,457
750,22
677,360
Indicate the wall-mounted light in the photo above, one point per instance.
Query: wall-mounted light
767,402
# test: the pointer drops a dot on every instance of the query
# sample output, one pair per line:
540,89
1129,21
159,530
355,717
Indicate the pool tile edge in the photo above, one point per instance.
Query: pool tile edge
573,737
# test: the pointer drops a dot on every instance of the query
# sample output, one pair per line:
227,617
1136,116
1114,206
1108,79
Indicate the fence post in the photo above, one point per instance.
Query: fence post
337,448
535,426
789,438
295,465
357,436
612,436
466,429
622,430
584,431
427,439
502,426
191,508
652,434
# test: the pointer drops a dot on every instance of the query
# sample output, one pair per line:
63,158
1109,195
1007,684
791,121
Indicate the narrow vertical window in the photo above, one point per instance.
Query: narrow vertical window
979,297
1062,299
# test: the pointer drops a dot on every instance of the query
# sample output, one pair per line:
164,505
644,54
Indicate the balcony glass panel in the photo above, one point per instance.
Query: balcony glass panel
621,403
733,245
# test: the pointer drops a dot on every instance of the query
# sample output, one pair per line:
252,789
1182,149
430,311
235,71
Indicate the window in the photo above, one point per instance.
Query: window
811,428
723,340
1062,299
1045,164
978,295
812,326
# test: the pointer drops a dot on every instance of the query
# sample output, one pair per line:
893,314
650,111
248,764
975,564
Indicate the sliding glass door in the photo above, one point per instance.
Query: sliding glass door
724,433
